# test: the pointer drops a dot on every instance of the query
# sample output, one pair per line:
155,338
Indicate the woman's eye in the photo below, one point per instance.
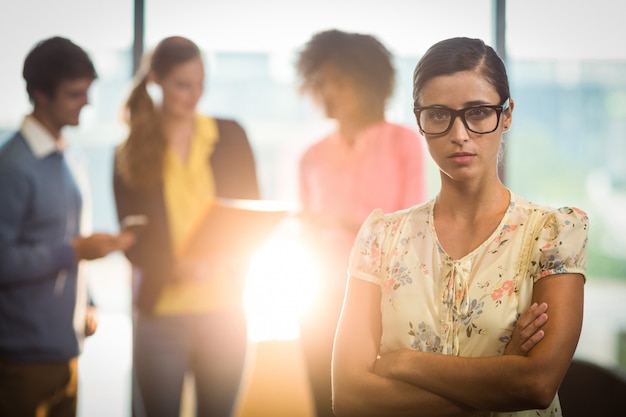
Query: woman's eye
439,115
478,112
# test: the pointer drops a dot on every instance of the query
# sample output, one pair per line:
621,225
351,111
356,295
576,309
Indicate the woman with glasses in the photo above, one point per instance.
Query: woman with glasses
470,304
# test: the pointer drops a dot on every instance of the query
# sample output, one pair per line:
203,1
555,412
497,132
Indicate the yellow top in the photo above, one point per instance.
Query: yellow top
188,190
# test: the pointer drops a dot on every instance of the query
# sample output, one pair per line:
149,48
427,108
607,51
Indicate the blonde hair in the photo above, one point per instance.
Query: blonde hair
140,157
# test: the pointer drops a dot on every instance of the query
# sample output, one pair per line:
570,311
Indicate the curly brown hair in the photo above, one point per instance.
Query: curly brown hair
362,57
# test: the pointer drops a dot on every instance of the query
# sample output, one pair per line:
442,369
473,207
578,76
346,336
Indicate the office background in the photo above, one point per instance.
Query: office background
567,146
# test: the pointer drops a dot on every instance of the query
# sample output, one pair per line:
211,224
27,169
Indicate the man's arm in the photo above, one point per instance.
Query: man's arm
22,260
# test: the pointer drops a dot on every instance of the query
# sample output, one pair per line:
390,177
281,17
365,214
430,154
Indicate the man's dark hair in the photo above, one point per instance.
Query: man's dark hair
52,61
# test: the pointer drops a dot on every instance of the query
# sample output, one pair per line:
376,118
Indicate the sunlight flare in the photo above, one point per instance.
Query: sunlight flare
280,287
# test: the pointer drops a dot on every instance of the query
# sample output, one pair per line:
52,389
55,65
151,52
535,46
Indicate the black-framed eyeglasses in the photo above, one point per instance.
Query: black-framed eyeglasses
438,120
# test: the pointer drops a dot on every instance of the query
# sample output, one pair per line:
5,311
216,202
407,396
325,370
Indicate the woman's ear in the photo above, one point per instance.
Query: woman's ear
507,116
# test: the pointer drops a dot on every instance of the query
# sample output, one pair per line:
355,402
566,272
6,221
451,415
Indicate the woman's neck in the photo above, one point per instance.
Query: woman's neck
178,133
472,201
350,129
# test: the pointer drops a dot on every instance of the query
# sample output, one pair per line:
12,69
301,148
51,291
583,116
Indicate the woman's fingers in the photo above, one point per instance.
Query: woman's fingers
527,332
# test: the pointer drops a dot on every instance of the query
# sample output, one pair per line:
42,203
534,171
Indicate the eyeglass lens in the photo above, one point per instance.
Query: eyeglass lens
478,119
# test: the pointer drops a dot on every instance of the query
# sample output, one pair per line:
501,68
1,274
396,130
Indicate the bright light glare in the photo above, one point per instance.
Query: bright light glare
280,287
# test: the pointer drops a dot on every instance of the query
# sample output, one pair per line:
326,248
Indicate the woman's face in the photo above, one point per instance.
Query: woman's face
182,88
461,154
336,93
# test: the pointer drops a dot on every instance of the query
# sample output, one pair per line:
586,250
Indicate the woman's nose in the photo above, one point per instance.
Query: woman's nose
458,132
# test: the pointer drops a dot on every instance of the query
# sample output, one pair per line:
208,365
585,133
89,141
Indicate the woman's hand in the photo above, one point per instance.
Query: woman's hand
528,330
526,334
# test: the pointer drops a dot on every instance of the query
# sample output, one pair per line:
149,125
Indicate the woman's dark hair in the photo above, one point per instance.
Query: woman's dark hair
362,57
140,158
460,54
52,61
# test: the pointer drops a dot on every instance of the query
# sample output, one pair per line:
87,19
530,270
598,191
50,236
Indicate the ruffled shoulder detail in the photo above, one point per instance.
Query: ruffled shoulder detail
561,243
379,237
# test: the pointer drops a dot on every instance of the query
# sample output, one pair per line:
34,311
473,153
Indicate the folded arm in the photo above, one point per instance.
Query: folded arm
357,390
411,383
509,382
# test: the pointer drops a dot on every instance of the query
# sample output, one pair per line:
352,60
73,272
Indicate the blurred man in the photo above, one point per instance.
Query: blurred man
44,309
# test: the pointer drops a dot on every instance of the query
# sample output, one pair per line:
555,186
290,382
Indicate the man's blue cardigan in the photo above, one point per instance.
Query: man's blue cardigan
40,207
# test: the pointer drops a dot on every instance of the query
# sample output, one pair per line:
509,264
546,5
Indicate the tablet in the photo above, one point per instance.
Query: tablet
232,225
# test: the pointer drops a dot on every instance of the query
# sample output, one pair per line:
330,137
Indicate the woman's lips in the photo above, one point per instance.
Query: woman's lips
462,157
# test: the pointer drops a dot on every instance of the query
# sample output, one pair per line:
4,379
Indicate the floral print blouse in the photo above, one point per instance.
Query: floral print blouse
465,307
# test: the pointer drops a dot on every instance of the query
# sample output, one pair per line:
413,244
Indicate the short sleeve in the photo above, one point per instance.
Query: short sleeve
366,255
562,243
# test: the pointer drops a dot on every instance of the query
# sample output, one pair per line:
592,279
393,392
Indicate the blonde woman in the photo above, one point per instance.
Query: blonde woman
188,314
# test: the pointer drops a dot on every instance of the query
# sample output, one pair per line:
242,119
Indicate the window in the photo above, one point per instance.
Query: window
566,145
